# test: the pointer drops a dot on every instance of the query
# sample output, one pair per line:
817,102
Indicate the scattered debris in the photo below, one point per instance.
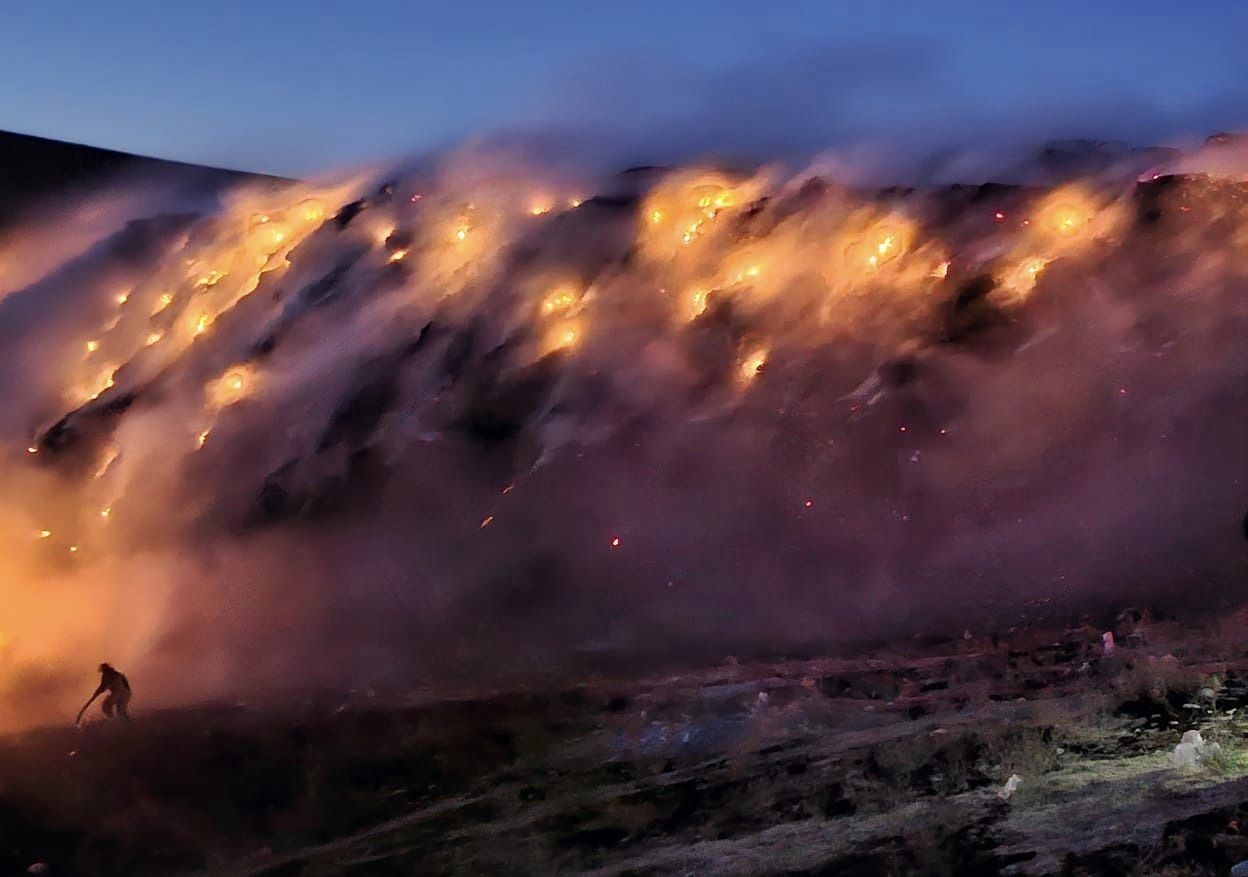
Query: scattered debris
1192,750
1011,786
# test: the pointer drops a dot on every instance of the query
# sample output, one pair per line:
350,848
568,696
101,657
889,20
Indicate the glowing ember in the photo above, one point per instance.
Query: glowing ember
45,534
562,336
152,338
559,300
615,542
93,346
32,450
698,302
461,234
398,256
753,364
486,521
231,387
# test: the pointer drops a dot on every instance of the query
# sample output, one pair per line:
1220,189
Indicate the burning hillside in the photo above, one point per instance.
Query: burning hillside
484,419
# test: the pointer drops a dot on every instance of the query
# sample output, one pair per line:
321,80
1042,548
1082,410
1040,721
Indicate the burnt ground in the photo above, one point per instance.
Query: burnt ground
888,763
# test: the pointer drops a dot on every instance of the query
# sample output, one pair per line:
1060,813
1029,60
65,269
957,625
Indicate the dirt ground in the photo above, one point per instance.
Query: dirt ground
887,763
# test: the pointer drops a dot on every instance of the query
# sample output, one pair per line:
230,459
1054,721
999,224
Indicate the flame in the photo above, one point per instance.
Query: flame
233,386
560,299
311,210
398,256
698,300
563,336
106,381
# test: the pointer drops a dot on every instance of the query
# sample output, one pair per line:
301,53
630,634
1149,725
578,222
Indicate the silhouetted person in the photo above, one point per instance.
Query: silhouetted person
118,688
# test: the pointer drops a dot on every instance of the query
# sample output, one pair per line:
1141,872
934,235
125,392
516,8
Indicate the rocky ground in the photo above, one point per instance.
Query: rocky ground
889,763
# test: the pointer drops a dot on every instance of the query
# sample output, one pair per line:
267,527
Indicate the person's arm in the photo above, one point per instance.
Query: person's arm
98,692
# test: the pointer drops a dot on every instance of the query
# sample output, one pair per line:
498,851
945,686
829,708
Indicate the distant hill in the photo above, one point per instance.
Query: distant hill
32,167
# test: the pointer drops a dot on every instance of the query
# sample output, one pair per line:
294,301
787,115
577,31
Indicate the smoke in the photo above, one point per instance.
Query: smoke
482,420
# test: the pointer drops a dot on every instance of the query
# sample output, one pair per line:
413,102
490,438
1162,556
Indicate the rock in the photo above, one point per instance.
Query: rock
1011,786
1193,751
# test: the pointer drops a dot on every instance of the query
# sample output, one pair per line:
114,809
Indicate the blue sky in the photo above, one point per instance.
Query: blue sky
291,86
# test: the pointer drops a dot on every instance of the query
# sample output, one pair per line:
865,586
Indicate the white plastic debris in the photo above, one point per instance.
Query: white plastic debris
1240,870
1193,751
1107,640
1011,786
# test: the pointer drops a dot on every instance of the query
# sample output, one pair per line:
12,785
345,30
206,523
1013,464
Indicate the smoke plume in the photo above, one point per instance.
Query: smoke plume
483,420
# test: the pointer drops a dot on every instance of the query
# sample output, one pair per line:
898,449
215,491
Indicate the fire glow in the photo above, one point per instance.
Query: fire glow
520,361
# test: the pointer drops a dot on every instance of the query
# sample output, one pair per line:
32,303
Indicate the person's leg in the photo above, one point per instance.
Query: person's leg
123,708
109,704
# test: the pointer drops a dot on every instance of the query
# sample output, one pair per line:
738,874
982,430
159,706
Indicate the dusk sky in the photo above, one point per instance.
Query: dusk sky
290,86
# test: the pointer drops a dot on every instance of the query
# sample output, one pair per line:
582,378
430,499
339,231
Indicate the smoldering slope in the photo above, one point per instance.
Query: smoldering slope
487,421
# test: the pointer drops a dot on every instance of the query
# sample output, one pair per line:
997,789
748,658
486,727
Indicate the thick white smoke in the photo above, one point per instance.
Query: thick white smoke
483,421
